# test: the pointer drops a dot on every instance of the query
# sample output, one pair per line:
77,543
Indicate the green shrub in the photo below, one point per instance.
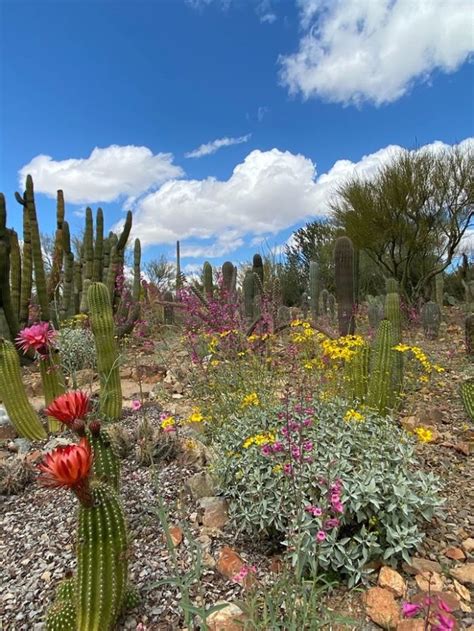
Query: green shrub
77,350
385,495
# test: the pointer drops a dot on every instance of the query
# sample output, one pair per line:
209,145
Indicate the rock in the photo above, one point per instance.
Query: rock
429,581
411,625
201,485
468,544
229,562
86,376
381,607
430,415
46,576
23,445
34,456
7,432
33,385
56,441
462,591
214,512
392,580
148,373
419,565
464,573
229,618
176,535
447,597
456,554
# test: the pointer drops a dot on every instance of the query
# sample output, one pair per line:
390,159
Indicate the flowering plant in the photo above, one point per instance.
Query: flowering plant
37,337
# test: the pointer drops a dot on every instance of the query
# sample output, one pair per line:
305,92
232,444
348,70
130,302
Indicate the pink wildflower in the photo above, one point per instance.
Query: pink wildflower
409,610
444,623
287,469
320,535
136,405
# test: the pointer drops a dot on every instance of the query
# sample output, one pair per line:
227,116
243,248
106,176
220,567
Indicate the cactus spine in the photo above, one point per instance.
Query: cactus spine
380,387
101,560
344,275
102,324
13,395
314,289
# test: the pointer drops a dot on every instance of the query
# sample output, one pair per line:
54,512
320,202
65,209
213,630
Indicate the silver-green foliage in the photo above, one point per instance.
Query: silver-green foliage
77,350
385,493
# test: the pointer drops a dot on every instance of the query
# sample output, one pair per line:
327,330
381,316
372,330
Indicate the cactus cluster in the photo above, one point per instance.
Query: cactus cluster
62,293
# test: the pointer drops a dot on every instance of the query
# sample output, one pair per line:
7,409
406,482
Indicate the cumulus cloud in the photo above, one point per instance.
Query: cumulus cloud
352,51
105,176
268,192
214,145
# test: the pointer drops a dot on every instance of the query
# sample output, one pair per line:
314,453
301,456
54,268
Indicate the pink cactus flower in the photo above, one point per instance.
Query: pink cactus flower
37,337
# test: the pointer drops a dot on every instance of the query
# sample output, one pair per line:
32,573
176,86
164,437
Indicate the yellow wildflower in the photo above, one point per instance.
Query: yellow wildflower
167,422
424,434
250,399
266,438
353,415
196,416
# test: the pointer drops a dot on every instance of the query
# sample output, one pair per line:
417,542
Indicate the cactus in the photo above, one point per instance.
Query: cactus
257,269
88,263
12,393
62,614
344,275
439,290
28,200
375,313
101,560
53,384
102,324
324,301
393,314
380,387
304,304
179,278
467,396
469,335
391,285
67,305
284,315
431,319
26,272
358,369
332,306
15,273
106,466
248,288
207,280
55,273
99,247
5,297
314,289
227,276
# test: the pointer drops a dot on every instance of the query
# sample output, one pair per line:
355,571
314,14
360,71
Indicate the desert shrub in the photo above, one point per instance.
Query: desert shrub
339,488
77,350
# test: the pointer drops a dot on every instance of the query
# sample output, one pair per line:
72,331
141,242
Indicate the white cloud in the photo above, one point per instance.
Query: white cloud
266,193
214,145
262,110
374,50
105,176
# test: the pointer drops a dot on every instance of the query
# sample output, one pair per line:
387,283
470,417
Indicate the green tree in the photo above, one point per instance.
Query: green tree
410,217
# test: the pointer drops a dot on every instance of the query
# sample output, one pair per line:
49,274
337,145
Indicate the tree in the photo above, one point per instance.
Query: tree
312,242
411,215
161,273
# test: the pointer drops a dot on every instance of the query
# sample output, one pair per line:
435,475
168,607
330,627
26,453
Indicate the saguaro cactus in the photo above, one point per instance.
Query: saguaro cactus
12,393
344,275
102,323
469,334
248,288
227,276
380,387
314,289
207,280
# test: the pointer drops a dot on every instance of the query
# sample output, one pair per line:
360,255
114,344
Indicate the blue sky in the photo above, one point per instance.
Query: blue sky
298,94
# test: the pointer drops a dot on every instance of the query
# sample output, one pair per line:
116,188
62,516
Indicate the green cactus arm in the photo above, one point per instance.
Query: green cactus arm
56,268
98,247
13,394
101,561
52,379
27,271
15,273
106,465
102,324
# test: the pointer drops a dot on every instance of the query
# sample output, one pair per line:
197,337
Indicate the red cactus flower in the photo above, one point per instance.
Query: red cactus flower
69,467
37,337
69,407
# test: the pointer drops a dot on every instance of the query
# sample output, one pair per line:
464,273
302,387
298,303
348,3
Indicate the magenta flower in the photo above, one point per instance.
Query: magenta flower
320,535
444,606
287,469
308,445
332,523
266,450
444,623
409,610
37,337
136,405
277,446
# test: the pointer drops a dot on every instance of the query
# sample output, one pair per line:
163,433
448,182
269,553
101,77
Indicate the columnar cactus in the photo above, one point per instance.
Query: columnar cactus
101,560
375,313
391,285
314,289
228,276
168,310
28,200
15,273
467,396
102,324
5,295
179,278
431,319
380,387
67,304
207,280
12,393
359,373
106,465
248,288
53,384
469,334
62,615
99,247
55,273
344,276
332,306
26,272
393,314
257,269
324,301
